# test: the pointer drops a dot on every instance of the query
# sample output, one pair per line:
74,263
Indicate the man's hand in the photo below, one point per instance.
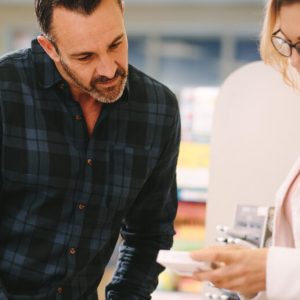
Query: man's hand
237,269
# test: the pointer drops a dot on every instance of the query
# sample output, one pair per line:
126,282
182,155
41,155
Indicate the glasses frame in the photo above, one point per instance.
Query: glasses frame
291,45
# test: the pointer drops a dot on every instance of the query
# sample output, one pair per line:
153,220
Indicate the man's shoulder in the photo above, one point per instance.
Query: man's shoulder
13,63
142,83
12,58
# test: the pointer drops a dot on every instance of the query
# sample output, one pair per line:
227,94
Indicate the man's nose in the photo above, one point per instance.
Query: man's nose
106,66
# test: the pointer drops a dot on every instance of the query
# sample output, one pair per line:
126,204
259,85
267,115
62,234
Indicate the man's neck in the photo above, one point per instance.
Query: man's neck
91,108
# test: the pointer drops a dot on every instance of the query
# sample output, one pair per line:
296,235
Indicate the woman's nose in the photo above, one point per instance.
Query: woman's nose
295,59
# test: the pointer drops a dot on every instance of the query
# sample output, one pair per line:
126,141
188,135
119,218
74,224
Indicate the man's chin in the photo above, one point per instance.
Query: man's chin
106,98
109,95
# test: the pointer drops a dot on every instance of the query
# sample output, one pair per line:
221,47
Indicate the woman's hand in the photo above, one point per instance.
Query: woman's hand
238,269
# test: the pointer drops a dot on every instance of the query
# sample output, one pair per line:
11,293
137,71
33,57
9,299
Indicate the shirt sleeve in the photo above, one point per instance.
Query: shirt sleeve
148,227
0,140
2,289
283,267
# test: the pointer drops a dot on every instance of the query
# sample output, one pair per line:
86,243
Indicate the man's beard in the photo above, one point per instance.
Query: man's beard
102,94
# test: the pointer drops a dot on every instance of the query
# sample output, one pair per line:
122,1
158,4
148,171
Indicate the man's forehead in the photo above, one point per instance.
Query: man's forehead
105,24
83,49
106,14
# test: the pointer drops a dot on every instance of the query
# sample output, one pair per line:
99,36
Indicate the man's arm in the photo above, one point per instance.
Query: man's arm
148,227
2,289
1,132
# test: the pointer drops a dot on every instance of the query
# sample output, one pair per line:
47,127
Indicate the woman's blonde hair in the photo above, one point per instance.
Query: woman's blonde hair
267,51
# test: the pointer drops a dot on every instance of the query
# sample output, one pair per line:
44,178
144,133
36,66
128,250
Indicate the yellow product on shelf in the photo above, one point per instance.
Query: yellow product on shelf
190,232
167,281
193,155
189,237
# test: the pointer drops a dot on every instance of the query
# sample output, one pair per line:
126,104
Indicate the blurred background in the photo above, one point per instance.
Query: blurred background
191,46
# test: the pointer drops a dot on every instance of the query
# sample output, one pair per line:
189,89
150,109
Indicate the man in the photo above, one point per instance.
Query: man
88,149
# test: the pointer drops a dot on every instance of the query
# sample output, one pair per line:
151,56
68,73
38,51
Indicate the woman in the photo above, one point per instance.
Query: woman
272,273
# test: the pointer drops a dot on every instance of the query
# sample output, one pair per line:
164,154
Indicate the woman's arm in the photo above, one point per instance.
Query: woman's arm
238,269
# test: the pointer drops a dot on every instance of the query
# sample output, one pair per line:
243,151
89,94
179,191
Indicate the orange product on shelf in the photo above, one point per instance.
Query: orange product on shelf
191,212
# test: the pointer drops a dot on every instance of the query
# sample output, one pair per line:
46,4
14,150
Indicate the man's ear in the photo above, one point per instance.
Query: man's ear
48,47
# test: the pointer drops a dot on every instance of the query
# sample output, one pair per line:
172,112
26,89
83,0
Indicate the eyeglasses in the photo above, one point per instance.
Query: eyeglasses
283,46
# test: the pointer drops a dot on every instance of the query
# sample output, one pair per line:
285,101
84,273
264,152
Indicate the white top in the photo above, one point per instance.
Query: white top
283,263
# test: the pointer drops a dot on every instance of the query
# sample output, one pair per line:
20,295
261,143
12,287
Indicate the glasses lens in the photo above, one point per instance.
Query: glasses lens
281,46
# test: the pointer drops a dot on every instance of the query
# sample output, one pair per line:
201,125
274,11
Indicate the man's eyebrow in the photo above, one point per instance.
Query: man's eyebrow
117,39
86,53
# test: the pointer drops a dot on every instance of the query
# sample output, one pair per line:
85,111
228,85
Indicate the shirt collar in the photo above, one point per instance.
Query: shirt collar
48,75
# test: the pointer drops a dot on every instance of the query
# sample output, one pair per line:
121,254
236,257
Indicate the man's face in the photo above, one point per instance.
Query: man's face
92,50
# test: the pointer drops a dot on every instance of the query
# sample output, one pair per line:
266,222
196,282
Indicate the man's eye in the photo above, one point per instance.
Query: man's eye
114,46
84,58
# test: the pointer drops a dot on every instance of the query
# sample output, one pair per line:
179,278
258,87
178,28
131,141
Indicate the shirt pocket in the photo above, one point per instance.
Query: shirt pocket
129,169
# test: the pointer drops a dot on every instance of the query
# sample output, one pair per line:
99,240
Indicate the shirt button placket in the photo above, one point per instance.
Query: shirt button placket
72,251
77,118
81,206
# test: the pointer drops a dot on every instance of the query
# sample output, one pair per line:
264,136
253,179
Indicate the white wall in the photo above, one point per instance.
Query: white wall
255,141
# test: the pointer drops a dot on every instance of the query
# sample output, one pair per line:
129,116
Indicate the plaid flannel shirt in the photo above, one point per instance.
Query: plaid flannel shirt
65,196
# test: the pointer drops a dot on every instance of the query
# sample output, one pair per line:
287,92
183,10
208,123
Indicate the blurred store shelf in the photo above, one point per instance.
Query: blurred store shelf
186,2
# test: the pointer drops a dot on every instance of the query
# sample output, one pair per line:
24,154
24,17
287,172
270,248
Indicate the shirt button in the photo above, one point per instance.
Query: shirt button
61,86
72,251
81,206
90,162
60,290
77,117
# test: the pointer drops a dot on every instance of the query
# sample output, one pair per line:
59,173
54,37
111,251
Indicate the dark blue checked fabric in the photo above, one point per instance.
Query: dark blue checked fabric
65,196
